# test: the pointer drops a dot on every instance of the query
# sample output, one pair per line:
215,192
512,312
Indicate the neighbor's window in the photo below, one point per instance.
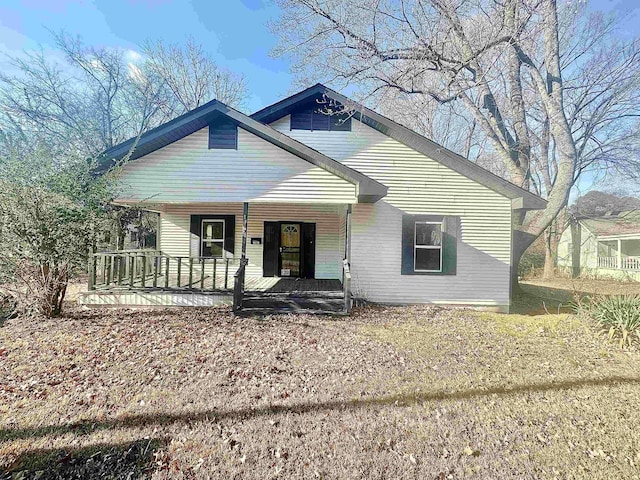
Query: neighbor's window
428,247
212,238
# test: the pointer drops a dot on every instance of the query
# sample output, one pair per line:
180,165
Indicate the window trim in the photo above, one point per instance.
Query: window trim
426,247
214,240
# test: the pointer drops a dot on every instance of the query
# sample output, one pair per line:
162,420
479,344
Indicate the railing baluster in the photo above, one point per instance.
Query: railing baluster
144,270
120,269
226,274
108,259
215,264
166,273
132,269
179,270
92,271
155,271
190,273
202,261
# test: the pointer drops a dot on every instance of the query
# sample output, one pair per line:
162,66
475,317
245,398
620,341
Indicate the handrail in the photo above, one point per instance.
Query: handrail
346,285
144,269
238,284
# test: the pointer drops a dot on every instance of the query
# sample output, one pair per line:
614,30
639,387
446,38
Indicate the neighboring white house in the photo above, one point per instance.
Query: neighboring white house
606,246
324,197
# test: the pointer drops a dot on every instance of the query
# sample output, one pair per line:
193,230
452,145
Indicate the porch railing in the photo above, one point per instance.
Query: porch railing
152,269
238,284
627,263
608,262
631,263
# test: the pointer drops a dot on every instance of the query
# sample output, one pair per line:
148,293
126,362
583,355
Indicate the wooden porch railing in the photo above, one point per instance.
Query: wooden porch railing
627,263
608,262
631,263
152,269
346,285
238,284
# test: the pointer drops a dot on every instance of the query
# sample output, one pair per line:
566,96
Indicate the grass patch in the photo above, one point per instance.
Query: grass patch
521,326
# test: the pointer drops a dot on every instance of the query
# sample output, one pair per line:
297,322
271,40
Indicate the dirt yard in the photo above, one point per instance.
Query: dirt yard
420,393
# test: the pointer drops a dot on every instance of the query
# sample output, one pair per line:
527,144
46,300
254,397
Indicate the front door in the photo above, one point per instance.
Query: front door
290,252
289,249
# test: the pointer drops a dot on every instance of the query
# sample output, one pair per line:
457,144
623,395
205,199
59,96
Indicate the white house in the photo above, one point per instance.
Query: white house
334,206
604,246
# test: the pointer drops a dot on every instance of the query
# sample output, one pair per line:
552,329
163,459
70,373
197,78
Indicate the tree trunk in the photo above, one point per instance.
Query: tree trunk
549,270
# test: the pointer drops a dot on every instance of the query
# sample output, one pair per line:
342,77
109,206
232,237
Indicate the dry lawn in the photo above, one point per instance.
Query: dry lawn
421,393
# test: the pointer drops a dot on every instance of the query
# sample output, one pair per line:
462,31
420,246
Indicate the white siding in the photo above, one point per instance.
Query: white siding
188,171
418,185
175,228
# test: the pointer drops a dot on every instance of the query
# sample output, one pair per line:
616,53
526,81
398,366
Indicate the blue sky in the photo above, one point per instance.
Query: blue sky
234,31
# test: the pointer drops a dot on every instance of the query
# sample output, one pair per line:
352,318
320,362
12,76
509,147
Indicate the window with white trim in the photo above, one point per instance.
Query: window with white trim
427,246
212,238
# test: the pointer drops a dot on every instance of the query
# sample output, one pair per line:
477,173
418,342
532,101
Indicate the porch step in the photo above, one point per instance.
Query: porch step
300,302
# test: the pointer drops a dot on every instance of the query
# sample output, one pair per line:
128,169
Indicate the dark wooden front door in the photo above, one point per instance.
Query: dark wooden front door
289,249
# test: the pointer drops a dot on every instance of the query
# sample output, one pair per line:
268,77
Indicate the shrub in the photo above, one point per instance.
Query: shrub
50,209
531,264
619,316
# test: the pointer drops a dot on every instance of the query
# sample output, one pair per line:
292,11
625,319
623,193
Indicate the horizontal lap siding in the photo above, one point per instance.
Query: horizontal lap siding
418,185
175,231
188,171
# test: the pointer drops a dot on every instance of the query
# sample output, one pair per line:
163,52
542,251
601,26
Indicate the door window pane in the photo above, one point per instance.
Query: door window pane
212,238
212,249
213,230
290,250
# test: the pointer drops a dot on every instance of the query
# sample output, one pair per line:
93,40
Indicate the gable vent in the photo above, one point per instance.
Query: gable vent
223,135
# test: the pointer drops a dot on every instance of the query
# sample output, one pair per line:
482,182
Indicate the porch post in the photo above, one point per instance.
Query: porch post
347,235
619,253
245,215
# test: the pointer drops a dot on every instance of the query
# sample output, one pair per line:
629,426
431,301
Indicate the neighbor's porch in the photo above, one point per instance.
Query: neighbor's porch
619,253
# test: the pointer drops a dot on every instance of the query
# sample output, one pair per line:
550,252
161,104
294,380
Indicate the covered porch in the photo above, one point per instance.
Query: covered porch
619,252
217,254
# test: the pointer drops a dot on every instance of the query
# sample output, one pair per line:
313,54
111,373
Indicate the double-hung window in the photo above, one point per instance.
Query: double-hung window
427,246
212,238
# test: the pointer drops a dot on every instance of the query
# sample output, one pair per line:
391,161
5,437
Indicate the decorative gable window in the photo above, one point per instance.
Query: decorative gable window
316,119
223,135
429,244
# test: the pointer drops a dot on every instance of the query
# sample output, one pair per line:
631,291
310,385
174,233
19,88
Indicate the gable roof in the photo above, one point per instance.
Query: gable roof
368,190
625,223
524,198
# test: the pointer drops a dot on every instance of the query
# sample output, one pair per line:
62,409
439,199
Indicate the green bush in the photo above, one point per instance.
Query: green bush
619,316
531,264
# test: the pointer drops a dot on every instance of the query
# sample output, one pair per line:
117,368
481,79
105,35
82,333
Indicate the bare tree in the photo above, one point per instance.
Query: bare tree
90,98
192,77
90,102
548,86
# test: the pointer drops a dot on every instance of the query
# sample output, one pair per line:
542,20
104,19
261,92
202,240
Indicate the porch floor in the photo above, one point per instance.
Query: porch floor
273,285
291,285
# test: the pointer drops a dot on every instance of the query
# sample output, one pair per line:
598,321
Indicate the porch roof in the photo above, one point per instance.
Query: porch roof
625,225
368,190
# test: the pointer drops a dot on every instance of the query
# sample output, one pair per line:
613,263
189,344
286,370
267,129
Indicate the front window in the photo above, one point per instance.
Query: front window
212,238
428,247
